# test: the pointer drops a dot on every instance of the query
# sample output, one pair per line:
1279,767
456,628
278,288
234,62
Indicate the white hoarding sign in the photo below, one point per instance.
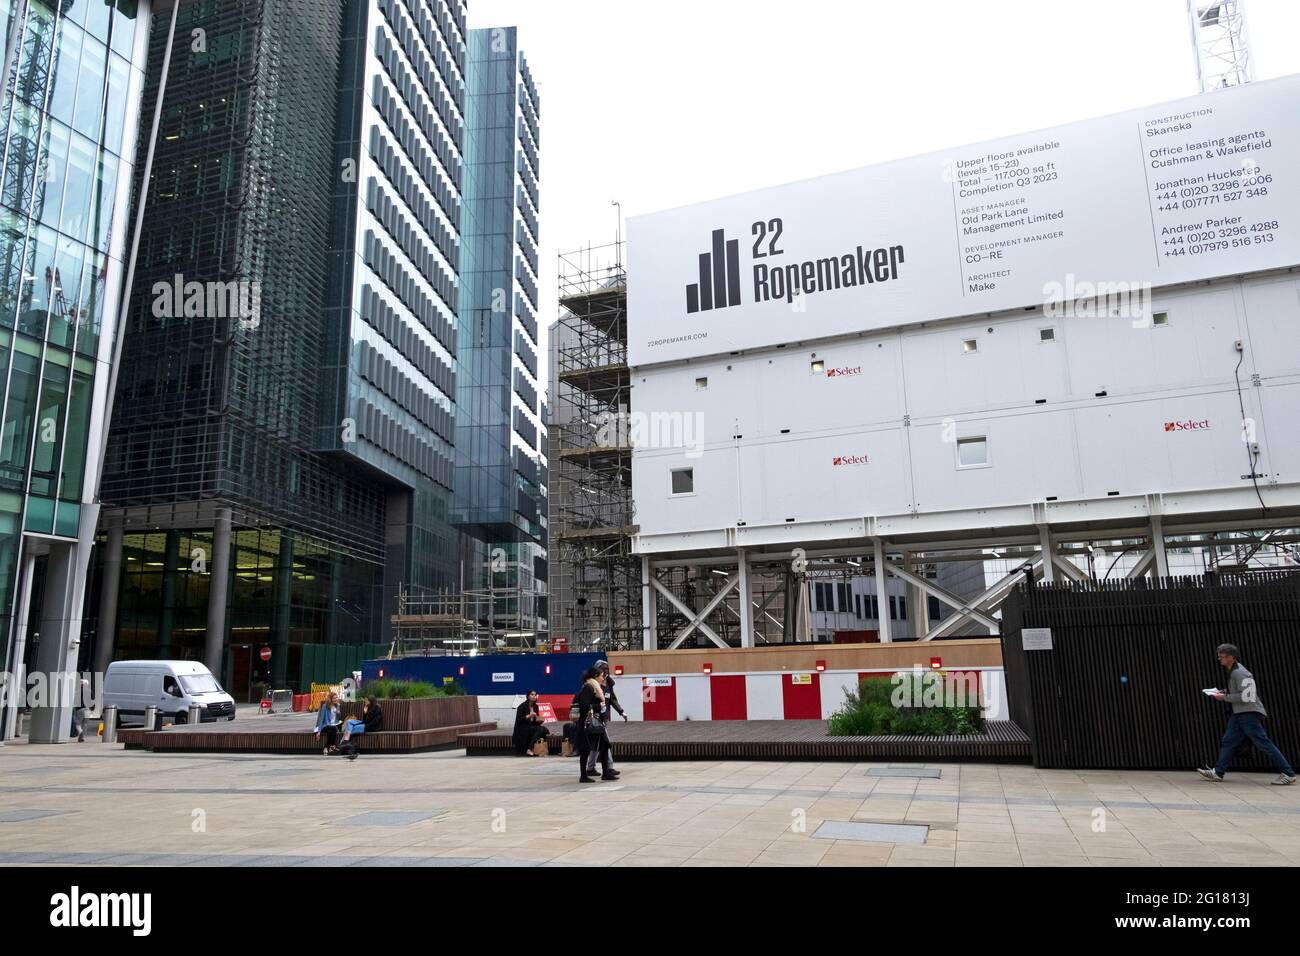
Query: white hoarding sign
1196,189
1036,639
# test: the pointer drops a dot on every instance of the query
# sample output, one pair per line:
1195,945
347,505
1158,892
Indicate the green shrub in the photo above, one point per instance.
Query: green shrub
874,709
388,688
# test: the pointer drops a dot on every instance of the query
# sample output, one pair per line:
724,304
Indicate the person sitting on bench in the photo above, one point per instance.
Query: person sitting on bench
327,722
529,727
372,720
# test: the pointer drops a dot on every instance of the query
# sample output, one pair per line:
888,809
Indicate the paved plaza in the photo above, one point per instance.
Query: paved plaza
93,803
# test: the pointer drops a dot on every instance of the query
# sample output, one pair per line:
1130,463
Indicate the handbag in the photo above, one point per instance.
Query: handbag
593,726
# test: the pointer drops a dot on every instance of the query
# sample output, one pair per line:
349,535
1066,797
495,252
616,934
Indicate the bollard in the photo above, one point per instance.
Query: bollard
196,714
110,724
151,719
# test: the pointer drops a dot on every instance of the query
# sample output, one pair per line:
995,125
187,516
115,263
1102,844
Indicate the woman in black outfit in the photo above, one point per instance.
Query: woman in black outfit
591,702
529,727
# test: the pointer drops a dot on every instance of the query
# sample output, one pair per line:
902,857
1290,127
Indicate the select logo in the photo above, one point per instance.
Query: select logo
843,371
76,909
1188,426
850,460
719,285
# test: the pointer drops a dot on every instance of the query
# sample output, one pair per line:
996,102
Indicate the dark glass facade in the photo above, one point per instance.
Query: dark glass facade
222,391
500,502
69,102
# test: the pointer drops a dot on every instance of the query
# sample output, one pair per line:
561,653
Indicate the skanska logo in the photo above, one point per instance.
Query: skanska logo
1188,426
850,460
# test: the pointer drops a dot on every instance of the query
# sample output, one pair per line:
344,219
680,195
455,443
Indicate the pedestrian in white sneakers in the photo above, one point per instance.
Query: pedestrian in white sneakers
1246,722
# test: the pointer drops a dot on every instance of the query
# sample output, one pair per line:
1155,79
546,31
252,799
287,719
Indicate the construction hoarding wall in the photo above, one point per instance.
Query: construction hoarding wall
880,421
1196,189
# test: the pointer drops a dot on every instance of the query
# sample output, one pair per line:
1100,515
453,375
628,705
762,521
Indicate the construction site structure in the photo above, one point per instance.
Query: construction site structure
472,621
596,581
1221,44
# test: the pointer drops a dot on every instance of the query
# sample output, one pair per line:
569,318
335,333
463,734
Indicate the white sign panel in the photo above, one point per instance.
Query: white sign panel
1191,190
1036,638
505,677
657,681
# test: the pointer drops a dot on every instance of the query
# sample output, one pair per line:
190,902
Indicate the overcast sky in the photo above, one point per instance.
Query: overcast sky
660,103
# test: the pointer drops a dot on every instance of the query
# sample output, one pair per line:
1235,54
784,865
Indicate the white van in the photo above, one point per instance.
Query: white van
171,686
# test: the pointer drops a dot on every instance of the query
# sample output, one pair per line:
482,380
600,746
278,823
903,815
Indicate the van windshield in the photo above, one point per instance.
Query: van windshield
200,684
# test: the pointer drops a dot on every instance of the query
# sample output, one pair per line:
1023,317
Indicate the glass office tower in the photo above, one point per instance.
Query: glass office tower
69,109
500,503
226,527
391,366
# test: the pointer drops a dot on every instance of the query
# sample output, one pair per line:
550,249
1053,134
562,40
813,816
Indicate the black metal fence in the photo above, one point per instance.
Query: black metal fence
1121,685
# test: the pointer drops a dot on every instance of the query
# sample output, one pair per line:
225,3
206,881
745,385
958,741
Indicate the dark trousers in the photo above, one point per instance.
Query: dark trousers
1249,726
591,749
330,734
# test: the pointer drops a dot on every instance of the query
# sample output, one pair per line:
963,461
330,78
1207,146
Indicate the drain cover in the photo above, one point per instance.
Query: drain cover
923,772
872,832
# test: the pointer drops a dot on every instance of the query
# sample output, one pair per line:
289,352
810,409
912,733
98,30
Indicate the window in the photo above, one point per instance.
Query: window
933,606
843,604
972,452
1160,319
683,481
1047,335
857,605
969,345
818,366
702,383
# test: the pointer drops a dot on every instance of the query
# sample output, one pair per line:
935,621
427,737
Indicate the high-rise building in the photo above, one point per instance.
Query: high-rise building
501,473
390,388
69,110
283,431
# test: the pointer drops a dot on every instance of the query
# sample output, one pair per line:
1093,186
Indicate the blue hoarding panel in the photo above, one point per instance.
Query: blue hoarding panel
492,674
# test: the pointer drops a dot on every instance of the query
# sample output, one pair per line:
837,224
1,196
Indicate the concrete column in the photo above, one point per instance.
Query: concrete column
61,606
746,600
167,620
110,588
917,619
218,589
882,591
649,607
332,629
1158,546
16,692
283,585
1045,544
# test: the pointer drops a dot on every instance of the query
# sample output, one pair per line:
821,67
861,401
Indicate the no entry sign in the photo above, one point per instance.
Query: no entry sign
265,653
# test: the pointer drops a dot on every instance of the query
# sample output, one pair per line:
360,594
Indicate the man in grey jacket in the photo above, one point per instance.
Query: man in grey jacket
1246,722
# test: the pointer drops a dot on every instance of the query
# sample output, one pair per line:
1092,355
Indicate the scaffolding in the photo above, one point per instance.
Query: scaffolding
469,622
596,595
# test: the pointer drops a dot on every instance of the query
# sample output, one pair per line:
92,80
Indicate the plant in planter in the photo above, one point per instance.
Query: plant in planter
921,703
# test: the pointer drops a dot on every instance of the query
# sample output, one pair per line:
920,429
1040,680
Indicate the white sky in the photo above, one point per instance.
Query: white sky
661,103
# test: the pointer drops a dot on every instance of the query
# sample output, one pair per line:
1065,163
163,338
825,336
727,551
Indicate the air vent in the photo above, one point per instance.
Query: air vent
1101,394
1040,401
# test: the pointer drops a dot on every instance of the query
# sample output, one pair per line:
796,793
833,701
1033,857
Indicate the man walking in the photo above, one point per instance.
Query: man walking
611,705
1246,722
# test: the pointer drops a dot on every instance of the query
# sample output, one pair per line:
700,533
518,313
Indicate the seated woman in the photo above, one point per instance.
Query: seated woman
327,722
372,720
529,727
